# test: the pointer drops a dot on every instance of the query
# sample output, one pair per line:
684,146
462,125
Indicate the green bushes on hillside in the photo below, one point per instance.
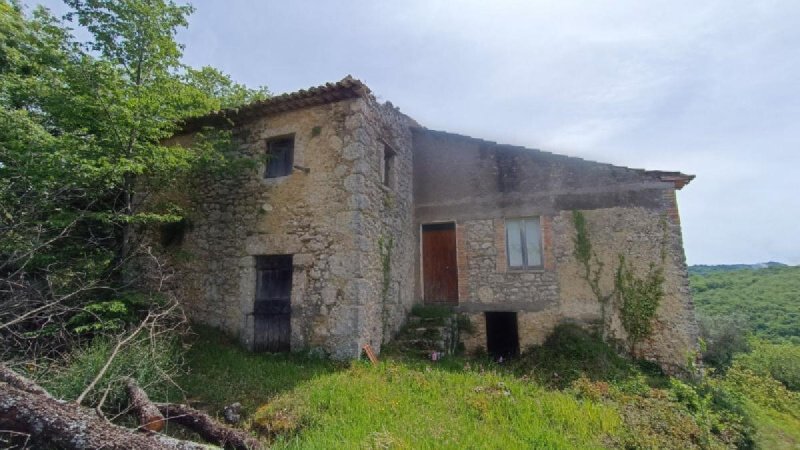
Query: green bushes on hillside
767,300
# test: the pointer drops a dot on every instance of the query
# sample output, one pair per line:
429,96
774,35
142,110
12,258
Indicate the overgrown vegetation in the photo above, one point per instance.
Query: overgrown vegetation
637,296
572,392
749,325
592,267
152,362
83,144
765,302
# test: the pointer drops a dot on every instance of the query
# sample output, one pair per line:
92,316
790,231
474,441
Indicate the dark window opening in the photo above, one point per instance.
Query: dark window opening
388,166
280,157
502,338
172,233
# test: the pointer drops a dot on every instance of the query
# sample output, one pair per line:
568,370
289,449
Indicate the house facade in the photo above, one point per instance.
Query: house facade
358,213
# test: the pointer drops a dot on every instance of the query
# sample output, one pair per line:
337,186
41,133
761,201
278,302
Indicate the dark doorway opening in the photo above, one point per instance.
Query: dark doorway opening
272,311
439,268
502,338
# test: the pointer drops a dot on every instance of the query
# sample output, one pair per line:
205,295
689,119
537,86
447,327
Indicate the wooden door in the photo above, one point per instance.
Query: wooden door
272,310
439,269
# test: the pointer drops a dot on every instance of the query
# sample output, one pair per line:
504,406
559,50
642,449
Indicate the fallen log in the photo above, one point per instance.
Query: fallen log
53,423
18,381
208,428
150,418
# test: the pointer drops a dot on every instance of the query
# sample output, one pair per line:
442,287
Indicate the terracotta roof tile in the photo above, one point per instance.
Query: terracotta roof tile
347,87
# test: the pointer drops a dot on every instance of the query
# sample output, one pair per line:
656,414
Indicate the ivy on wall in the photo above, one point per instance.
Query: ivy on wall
592,267
637,297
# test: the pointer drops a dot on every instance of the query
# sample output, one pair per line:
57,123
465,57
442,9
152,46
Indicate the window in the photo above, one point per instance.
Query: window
524,243
280,157
388,166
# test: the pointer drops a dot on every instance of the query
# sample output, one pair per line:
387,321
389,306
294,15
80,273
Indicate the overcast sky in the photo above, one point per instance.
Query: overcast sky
708,88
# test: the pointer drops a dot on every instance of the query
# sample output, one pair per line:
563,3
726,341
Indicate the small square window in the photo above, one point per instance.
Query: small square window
524,243
280,157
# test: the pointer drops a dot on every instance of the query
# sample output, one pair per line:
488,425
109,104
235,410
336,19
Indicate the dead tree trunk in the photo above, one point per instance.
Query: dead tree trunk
18,381
53,423
149,416
208,428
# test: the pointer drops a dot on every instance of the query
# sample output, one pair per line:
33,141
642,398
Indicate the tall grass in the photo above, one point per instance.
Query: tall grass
394,405
154,363
221,372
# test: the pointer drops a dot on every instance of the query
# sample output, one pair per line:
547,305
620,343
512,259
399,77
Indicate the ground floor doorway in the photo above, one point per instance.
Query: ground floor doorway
502,336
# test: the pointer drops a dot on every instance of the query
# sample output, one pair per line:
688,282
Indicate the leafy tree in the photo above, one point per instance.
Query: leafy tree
724,337
83,132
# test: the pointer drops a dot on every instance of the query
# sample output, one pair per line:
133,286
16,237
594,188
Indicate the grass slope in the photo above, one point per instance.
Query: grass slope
768,299
401,406
574,392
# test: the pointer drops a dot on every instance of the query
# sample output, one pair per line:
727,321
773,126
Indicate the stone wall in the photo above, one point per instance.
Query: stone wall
332,216
384,232
478,185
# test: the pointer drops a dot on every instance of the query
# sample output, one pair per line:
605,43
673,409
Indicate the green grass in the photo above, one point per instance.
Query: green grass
395,405
599,401
220,372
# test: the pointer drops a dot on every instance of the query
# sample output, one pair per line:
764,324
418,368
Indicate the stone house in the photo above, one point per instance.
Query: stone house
359,212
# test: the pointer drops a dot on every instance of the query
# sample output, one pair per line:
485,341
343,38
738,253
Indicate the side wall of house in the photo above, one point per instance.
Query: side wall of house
478,185
382,218
325,215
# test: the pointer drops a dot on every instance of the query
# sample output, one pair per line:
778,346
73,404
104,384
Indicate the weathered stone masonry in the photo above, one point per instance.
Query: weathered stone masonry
332,216
478,185
366,179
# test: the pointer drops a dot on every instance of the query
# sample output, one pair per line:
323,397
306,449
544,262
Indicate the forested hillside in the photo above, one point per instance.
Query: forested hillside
766,301
703,269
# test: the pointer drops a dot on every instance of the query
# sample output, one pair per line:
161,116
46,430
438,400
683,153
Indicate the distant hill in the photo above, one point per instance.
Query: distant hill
767,298
705,269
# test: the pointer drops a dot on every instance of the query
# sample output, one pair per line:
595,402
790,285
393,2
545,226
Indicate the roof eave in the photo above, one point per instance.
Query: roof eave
346,88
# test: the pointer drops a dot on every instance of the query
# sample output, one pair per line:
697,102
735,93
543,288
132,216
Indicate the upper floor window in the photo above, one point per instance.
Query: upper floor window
280,156
388,166
524,243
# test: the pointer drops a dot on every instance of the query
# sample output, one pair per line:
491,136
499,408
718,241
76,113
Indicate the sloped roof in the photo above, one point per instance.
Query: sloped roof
677,178
347,87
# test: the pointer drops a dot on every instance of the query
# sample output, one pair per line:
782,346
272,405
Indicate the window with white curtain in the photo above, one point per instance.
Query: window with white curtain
524,243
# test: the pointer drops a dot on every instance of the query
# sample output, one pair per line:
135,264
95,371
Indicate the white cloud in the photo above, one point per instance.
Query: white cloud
706,87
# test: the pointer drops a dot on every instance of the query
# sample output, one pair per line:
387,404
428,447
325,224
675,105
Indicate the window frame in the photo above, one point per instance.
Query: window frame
524,244
289,163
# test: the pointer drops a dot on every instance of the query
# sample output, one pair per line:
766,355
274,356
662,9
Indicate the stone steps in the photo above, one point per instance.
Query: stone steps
422,336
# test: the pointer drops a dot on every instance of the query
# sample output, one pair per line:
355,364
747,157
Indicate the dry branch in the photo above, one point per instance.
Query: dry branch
208,428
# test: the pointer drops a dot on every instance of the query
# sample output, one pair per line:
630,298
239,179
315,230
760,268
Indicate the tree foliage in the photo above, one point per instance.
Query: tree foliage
768,300
83,144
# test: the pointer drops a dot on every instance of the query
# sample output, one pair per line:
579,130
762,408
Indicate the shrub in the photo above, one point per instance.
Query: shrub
431,311
571,352
152,362
724,337
780,361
